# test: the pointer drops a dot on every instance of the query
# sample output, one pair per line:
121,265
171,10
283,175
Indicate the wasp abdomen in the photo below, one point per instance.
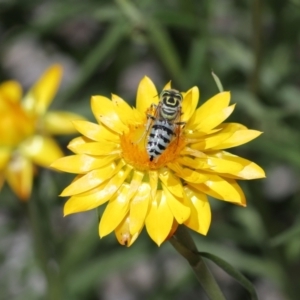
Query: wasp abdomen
159,138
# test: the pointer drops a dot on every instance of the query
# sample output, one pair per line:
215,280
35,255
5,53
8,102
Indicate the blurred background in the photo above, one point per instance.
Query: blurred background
107,47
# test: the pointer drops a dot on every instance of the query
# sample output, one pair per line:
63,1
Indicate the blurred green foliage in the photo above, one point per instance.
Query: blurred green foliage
107,47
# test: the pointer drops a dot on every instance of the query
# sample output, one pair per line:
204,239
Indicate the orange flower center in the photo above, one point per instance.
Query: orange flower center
134,145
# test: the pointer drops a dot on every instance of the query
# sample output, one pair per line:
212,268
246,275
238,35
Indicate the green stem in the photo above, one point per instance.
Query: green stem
40,232
257,47
184,244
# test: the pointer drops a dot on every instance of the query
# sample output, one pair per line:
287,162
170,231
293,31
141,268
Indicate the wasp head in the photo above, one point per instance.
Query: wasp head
171,98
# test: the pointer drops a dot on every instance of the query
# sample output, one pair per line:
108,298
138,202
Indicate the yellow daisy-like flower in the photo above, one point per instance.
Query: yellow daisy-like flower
113,166
26,128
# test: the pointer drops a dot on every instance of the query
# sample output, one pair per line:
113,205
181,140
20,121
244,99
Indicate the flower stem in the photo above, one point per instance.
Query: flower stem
257,45
184,244
39,222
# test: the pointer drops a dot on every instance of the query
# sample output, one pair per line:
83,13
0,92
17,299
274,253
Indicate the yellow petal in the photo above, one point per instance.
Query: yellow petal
238,138
5,154
124,111
104,112
180,211
123,234
222,188
138,116
38,99
212,141
159,219
224,132
96,132
135,182
78,141
220,165
167,86
11,90
81,163
60,122
94,148
171,181
200,216
210,107
81,203
189,103
89,181
42,150
231,127
153,181
173,229
194,163
139,208
15,124
114,212
146,95
194,135
249,170
192,152
188,174
19,175
213,120
97,196
192,176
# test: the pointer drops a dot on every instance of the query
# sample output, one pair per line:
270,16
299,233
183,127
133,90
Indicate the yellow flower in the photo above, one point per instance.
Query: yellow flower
26,128
113,166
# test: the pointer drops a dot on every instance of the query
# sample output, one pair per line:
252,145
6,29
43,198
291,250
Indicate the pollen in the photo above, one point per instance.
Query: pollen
134,151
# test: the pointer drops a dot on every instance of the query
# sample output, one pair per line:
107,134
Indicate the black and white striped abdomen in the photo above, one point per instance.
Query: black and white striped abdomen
160,136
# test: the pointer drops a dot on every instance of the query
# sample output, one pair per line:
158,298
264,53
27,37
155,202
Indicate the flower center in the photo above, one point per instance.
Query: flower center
15,125
134,146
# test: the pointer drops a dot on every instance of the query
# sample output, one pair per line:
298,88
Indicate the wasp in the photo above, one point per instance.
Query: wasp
163,122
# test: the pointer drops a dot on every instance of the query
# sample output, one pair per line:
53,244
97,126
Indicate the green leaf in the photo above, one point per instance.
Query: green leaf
286,236
184,244
218,82
232,272
196,59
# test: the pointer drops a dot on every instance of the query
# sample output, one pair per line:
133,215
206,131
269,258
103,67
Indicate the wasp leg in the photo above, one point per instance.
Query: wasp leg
150,120
181,124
